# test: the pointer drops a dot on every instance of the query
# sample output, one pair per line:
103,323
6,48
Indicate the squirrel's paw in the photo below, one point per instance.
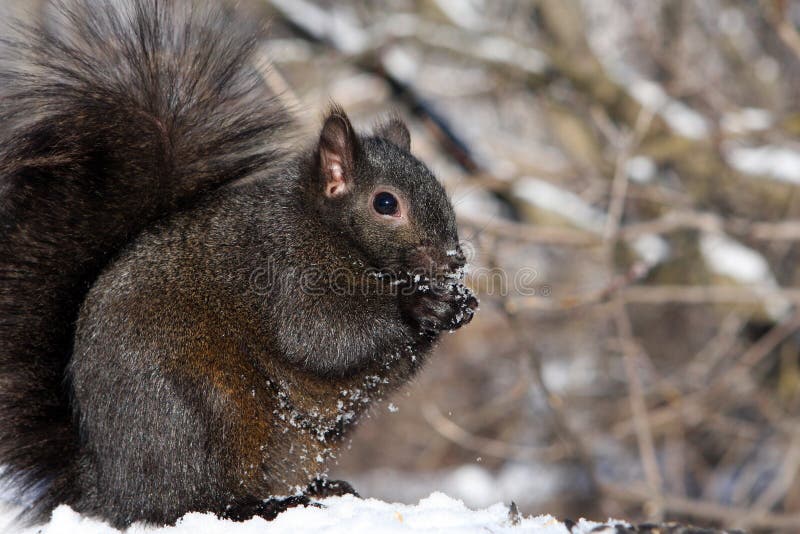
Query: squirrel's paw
245,509
323,487
437,307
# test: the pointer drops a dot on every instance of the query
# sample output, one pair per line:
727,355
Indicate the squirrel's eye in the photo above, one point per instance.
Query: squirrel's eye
386,204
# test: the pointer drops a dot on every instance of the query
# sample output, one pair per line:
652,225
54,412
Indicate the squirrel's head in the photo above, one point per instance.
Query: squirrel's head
386,201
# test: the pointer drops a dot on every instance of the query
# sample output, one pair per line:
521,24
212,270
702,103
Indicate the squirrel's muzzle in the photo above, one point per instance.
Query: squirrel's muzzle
433,261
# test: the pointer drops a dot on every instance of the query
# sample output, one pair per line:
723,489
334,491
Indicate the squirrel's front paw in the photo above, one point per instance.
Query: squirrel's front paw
436,307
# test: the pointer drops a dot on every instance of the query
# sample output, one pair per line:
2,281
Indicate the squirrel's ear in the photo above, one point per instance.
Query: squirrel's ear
337,149
395,131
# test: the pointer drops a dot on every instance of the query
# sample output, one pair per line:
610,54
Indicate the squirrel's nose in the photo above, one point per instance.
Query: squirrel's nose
438,259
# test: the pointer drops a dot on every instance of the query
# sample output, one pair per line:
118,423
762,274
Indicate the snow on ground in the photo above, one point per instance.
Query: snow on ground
531,483
437,513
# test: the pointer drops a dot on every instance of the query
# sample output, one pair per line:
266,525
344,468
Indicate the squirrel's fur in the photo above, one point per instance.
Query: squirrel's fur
161,350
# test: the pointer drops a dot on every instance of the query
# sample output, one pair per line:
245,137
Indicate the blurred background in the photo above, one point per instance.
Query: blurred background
626,176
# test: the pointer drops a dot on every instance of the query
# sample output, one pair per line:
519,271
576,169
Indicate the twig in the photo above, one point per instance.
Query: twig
619,184
315,23
528,233
605,294
784,478
712,353
777,16
644,433
555,404
671,222
707,294
710,222
487,446
705,510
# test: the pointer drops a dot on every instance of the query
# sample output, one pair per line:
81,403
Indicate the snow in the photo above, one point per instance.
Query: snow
502,49
465,13
609,42
437,513
730,258
547,196
651,248
472,199
400,64
680,117
746,120
779,163
641,169
727,257
530,482
338,26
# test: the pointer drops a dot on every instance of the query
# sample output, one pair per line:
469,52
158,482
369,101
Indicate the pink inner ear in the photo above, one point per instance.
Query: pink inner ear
336,184
334,173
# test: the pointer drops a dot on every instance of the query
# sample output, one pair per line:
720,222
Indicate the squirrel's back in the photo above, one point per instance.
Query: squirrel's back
113,117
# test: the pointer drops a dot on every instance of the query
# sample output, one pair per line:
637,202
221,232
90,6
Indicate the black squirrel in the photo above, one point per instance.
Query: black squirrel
192,315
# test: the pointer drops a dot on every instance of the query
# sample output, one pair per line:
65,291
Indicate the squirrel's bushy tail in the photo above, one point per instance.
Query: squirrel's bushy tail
111,116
